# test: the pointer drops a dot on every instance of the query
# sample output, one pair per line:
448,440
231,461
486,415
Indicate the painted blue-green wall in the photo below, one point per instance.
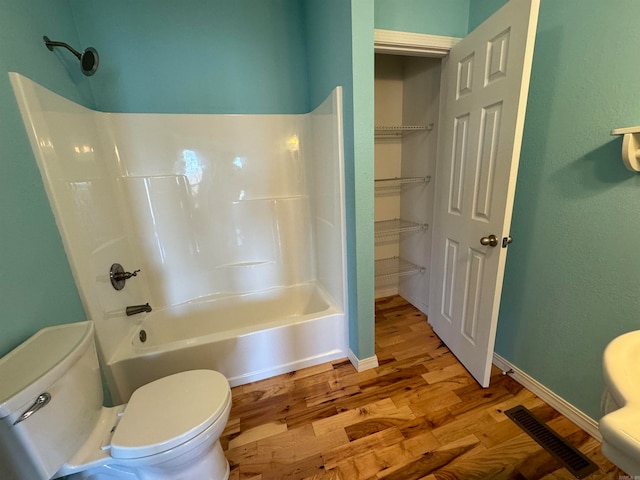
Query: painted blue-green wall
573,269
36,286
196,56
339,40
480,10
363,94
436,17
454,18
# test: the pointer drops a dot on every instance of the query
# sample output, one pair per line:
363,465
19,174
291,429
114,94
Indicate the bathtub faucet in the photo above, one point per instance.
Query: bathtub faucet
135,309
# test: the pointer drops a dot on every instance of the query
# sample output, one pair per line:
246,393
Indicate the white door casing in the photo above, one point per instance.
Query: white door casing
485,83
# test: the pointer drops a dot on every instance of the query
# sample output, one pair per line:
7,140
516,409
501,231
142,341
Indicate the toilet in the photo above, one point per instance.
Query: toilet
53,424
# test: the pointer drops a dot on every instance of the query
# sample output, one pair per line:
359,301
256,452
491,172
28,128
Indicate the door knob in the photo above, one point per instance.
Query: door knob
491,240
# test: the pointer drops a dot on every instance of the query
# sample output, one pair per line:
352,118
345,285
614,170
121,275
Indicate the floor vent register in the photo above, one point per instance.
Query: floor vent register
570,458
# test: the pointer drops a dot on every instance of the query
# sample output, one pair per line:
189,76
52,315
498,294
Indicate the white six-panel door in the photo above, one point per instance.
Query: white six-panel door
484,94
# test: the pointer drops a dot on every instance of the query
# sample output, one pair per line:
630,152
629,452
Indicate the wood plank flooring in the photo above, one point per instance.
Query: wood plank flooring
419,415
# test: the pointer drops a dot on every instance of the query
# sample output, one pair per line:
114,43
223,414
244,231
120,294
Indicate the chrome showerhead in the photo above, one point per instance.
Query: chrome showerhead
89,59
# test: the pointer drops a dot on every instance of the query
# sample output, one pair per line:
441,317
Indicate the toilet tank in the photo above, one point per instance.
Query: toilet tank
60,362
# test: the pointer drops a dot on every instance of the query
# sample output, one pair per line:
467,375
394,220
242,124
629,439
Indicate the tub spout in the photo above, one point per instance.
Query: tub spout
135,309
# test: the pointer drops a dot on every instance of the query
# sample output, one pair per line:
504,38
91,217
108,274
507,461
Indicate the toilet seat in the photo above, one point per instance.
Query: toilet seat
168,412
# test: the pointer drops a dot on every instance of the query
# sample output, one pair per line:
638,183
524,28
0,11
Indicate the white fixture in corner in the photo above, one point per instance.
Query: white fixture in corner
620,425
630,147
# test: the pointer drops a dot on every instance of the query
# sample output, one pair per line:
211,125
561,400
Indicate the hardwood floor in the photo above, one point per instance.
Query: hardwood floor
419,415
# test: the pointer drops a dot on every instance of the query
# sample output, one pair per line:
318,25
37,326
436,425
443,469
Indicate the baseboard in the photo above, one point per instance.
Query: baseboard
415,301
386,292
577,416
362,365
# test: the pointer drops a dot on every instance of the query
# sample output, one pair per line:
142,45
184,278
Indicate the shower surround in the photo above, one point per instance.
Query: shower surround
236,223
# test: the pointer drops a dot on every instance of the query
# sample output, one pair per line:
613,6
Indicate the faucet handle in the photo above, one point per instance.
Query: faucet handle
126,275
118,276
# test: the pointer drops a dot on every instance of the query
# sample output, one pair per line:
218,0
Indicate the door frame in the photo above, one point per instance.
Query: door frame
399,43
393,42
413,44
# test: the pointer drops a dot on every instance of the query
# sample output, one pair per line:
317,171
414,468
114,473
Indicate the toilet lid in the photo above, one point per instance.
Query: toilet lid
168,412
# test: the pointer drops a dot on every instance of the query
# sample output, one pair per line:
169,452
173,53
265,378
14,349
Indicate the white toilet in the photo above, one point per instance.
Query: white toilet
52,422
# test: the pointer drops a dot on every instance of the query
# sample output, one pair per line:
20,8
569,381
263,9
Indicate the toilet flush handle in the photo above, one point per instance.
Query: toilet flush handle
40,402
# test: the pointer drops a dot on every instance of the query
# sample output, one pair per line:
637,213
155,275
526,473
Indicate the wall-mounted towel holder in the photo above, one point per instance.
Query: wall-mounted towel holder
630,147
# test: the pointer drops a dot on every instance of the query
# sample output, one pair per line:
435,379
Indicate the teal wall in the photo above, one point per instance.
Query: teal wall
436,17
340,36
36,286
480,10
363,94
196,56
573,270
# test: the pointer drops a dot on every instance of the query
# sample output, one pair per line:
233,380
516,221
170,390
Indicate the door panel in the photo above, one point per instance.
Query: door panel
449,279
459,164
472,293
487,158
485,86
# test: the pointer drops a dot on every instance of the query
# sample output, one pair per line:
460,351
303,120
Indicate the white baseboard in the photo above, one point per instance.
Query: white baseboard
386,291
578,417
362,365
415,301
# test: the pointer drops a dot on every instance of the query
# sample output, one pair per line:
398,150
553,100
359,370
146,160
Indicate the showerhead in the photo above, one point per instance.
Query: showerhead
89,59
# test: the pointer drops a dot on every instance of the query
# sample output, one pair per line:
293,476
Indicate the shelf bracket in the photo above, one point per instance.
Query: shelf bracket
630,147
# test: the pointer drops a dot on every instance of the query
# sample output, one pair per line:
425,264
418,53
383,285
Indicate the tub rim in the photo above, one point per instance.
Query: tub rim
130,349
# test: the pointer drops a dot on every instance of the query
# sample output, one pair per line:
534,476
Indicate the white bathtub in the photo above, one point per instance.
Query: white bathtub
245,337
201,204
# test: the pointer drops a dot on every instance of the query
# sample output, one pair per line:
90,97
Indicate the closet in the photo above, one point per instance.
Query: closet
473,104
407,90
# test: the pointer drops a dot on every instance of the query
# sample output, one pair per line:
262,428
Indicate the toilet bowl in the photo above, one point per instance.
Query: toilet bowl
53,424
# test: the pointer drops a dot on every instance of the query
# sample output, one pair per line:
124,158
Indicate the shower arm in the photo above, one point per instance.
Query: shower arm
50,44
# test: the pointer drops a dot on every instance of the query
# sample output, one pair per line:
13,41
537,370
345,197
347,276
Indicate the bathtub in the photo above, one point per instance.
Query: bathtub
246,337
201,207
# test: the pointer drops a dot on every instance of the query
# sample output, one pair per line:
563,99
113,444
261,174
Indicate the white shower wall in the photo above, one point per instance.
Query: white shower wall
219,203
202,204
